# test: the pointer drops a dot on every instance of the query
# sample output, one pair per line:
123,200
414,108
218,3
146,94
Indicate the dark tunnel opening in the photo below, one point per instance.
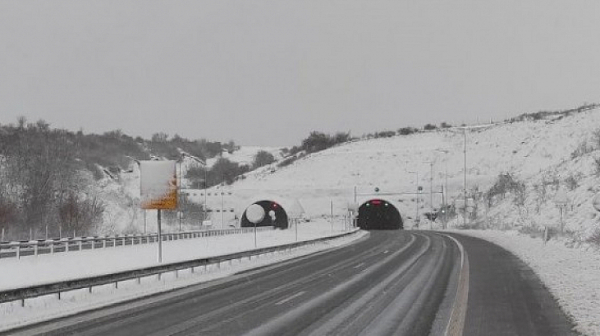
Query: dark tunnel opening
275,215
377,214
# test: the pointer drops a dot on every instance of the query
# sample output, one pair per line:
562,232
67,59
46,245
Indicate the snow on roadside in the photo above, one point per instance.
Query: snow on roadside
48,268
40,309
571,274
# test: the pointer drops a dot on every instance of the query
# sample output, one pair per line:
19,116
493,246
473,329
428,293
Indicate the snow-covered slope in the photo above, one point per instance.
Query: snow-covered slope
245,155
122,196
528,150
534,152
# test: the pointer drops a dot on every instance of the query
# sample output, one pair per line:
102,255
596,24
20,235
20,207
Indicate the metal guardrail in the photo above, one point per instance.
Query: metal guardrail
18,249
21,294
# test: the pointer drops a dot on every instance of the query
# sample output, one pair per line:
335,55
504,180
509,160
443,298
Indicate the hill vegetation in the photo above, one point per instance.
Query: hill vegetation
46,174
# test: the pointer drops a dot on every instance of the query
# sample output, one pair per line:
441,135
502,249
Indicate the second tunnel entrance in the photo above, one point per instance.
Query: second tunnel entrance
378,214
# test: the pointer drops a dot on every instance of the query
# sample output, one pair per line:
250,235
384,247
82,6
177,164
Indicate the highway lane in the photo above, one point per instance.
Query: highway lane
506,297
391,283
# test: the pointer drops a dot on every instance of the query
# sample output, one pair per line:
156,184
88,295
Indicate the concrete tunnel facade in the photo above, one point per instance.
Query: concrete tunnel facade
278,211
379,214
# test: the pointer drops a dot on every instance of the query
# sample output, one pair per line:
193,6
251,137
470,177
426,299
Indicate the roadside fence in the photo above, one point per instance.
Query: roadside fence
18,249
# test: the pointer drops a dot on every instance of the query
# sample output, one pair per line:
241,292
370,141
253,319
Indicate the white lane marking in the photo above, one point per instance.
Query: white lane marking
359,265
290,298
289,317
455,326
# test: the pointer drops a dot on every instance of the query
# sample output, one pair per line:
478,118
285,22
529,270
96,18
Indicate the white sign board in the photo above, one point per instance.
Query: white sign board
158,185
561,198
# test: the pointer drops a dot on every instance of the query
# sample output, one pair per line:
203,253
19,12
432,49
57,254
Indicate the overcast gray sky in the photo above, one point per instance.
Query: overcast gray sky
268,72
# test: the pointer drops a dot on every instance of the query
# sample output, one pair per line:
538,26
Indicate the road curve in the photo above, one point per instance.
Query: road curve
392,283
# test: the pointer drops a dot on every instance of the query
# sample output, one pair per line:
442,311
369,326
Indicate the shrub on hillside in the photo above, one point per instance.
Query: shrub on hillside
225,171
595,237
407,130
597,166
584,148
262,158
429,127
572,182
80,215
318,141
287,161
384,134
506,183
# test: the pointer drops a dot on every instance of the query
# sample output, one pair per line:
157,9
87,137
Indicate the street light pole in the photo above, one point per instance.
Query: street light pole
431,194
205,185
222,215
465,176
179,212
418,195
464,129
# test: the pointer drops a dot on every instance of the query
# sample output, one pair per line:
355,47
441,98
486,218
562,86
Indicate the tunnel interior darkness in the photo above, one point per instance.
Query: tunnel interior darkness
275,215
377,214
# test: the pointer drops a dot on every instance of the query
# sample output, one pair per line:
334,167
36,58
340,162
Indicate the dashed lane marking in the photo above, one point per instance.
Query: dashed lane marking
290,298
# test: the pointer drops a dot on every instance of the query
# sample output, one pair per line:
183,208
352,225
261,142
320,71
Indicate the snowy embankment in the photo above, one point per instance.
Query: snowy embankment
48,268
571,274
51,268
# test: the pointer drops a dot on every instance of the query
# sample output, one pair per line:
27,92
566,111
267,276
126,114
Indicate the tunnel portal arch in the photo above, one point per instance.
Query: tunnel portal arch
275,215
379,214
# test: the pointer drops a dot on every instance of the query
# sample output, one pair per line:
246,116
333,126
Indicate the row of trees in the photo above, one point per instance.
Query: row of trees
318,141
405,131
42,184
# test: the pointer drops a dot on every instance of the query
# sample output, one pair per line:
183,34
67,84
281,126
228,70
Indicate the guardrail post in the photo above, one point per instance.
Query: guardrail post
35,249
104,243
67,246
115,242
80,243
18,251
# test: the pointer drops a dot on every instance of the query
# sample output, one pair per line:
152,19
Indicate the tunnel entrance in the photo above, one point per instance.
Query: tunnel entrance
377,214
275,215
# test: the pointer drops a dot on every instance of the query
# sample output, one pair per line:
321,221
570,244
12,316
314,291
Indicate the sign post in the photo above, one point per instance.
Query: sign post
255,214
158,190
158,218
561,201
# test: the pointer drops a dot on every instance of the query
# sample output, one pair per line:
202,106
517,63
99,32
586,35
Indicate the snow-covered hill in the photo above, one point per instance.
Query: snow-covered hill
531,151
245,155
539,153
122,196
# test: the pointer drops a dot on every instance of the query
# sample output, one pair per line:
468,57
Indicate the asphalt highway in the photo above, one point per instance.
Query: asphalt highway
391,283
